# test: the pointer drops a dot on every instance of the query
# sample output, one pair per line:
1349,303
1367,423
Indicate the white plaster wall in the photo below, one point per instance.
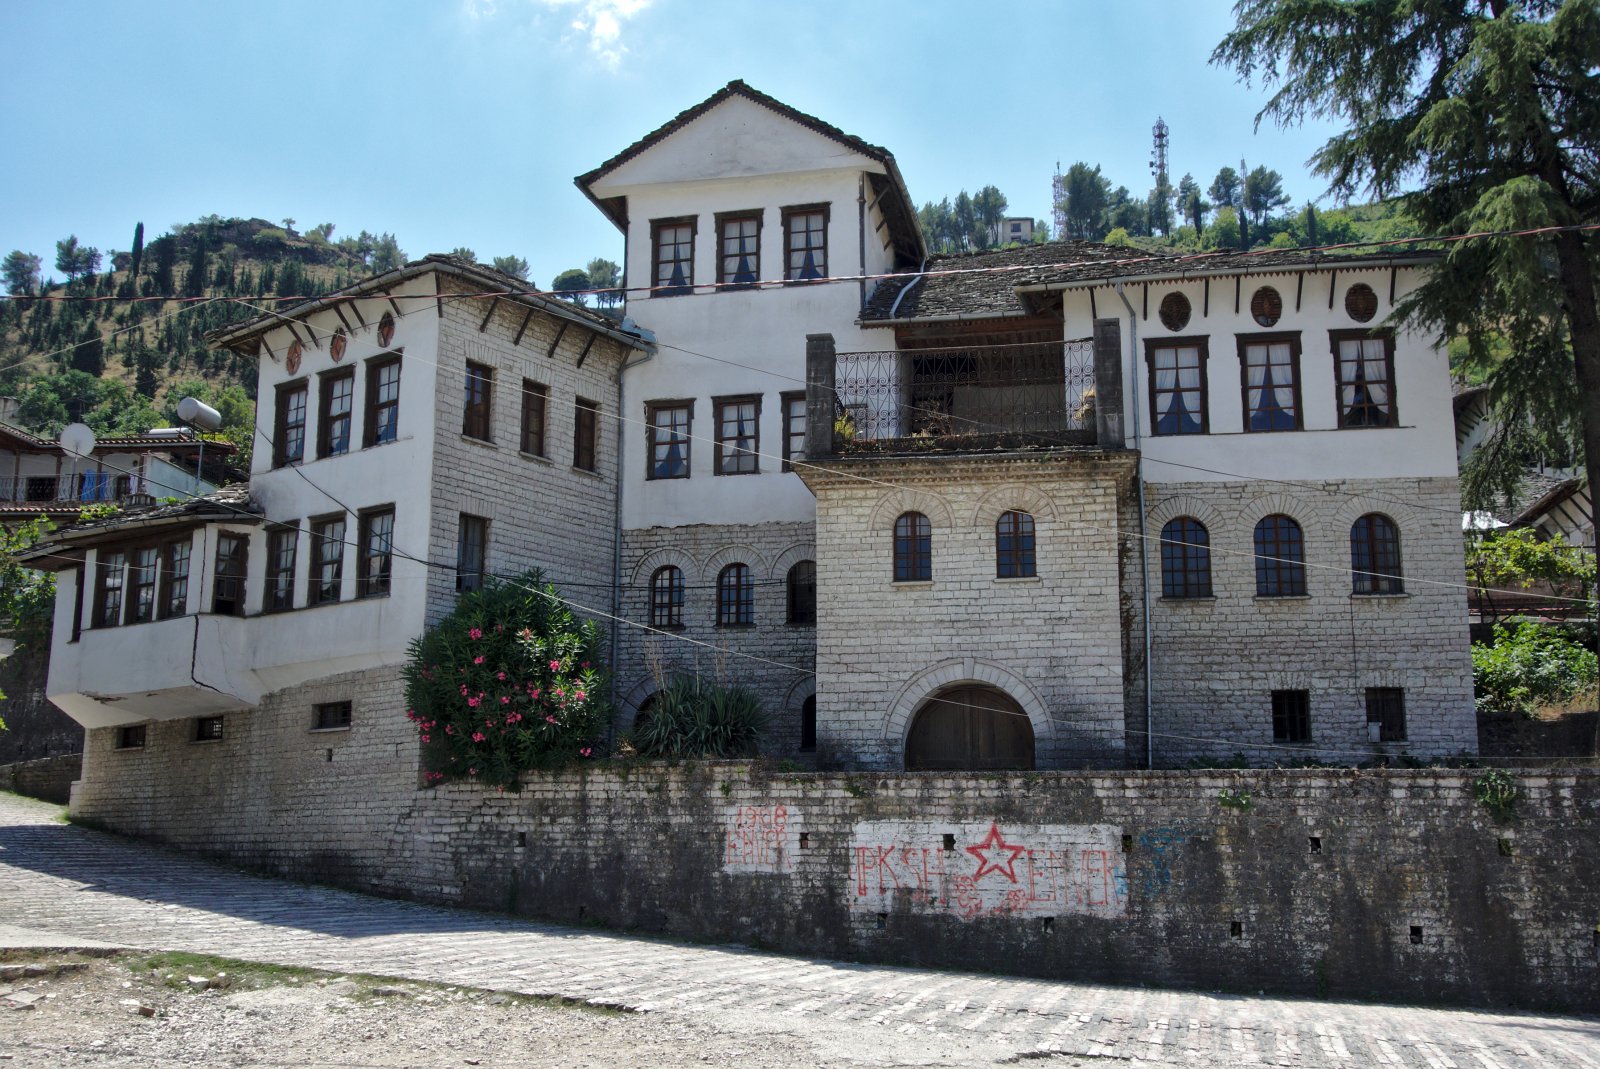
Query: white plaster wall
1422,445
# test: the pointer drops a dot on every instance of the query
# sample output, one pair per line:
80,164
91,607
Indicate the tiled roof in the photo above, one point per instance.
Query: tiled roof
229,504
985,284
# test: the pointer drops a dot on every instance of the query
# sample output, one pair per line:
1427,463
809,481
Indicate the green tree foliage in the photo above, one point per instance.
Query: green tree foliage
21,272
1534,664
461,252
27,597
1087,197
515,266
1516,559
1226,189
136,257
1159,207
386,254
107,406
571,284
1123,212
605,278
1263,194
74,260
1224,232
988,208
89,355
164,250
1192,204
691,717
509,682
1493,110
233,404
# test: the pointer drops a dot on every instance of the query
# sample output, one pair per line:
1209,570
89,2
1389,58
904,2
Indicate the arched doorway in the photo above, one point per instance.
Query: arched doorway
970,727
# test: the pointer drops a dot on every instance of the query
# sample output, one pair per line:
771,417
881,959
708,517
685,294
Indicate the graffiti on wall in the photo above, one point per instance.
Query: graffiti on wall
987,869
759,839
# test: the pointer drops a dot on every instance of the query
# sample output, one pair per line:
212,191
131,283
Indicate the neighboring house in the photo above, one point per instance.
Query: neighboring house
1012,231
1053,506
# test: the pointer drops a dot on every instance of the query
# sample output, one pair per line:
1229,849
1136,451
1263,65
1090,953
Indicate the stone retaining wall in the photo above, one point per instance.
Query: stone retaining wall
46,778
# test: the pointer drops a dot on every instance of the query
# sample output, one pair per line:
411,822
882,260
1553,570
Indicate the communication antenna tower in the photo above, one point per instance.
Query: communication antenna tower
1058,201
1158,152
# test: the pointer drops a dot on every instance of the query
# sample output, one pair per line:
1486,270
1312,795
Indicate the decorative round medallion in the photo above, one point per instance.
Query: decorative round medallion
1360,303
336,346
1266,307
386,329
293,359
1175,311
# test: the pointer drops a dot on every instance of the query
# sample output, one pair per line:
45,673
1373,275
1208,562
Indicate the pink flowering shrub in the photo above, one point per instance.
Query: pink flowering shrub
510,681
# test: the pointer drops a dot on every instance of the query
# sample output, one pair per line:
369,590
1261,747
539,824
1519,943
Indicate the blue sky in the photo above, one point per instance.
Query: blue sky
462,122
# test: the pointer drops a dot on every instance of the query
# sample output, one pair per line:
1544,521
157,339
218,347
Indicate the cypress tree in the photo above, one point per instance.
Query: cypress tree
138,250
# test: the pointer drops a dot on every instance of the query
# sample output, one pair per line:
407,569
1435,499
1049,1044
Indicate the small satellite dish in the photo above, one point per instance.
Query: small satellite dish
199,414
77,439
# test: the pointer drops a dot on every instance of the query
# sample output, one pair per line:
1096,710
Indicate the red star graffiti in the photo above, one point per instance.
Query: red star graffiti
992,846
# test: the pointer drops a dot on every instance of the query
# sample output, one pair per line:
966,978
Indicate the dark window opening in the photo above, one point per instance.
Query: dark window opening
472,551
1280,558
331,716
131,737
808,725
1375,556
666,597
586,435
1386,714
736,597
794,428
802,591
376,559
970,728
207,728
327,561
175,578
535,404
281,547
1013,545
913,548
142,584
227,597
333,426
478,418
1291,716
1185,559
383,401
289,434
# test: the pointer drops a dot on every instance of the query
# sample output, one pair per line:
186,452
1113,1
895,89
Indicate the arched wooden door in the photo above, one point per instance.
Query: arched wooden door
970,728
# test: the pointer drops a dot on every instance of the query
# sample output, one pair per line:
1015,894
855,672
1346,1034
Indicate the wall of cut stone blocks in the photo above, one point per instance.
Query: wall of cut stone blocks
1217,660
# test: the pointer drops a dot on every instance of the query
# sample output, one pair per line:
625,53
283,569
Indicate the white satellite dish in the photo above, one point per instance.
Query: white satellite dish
77,439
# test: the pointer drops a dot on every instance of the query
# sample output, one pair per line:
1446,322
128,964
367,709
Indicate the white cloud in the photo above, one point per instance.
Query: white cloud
600,23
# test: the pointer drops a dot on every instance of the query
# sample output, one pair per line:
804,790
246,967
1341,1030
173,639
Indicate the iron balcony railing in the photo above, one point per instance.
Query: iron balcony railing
1039,392
85,488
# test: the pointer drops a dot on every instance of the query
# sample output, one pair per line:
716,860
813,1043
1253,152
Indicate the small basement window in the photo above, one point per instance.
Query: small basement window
207,729
131,737
333,716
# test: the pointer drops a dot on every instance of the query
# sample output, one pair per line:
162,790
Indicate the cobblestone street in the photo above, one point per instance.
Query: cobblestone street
70,887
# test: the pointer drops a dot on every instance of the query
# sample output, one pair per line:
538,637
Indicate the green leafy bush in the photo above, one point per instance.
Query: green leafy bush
510,681
690,717
1529,666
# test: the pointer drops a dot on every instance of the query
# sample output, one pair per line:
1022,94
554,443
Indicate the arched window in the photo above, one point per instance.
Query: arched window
1375,556
1280,558
736,597
802,584
1185,559
1013,546
913,548
666,597
808,725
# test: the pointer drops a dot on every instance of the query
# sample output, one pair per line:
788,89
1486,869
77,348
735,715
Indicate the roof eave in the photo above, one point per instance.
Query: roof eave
1185,274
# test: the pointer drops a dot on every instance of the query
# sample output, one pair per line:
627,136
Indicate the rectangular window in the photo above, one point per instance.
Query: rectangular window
672,243
131,737
227,597
383,401
281,544
794,428
142,585
535,401
327,560
175,578
585,434
207,728
1386,714
669,423
740,237
78,592
376,549
472,551
1177,385
738,435
289,430
805,243
333,425
1270,366
332,716
109,569
477,420
1291,716
1365,367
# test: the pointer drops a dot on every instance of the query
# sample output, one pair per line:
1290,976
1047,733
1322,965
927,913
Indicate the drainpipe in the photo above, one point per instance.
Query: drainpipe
1144,544
861,234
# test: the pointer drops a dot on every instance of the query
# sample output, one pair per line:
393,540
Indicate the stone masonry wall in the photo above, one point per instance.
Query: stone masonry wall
1217,660
774,658
1391,884
542,511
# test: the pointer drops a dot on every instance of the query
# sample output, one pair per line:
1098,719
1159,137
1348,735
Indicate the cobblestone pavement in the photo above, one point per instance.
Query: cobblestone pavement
82,885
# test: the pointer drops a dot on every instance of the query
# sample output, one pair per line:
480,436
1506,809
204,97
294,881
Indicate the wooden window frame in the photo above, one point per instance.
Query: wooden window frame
800,595
666,598
1017,559
333,716
282,425
1385,336
785,400
1291,717
109,587
586,434
535,418
375,430
736,596
789,214
371,583
1202,342
169,588
913,548
141,578
320,541
477,409
1185,565
472,534
657,287
328,385
1386,707
1275,569
1292,339
727,449
276,533
725,281
80,575
654,442
235,579
1382,578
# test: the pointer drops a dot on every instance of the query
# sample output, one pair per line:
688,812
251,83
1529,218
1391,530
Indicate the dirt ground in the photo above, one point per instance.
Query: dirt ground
140,1009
